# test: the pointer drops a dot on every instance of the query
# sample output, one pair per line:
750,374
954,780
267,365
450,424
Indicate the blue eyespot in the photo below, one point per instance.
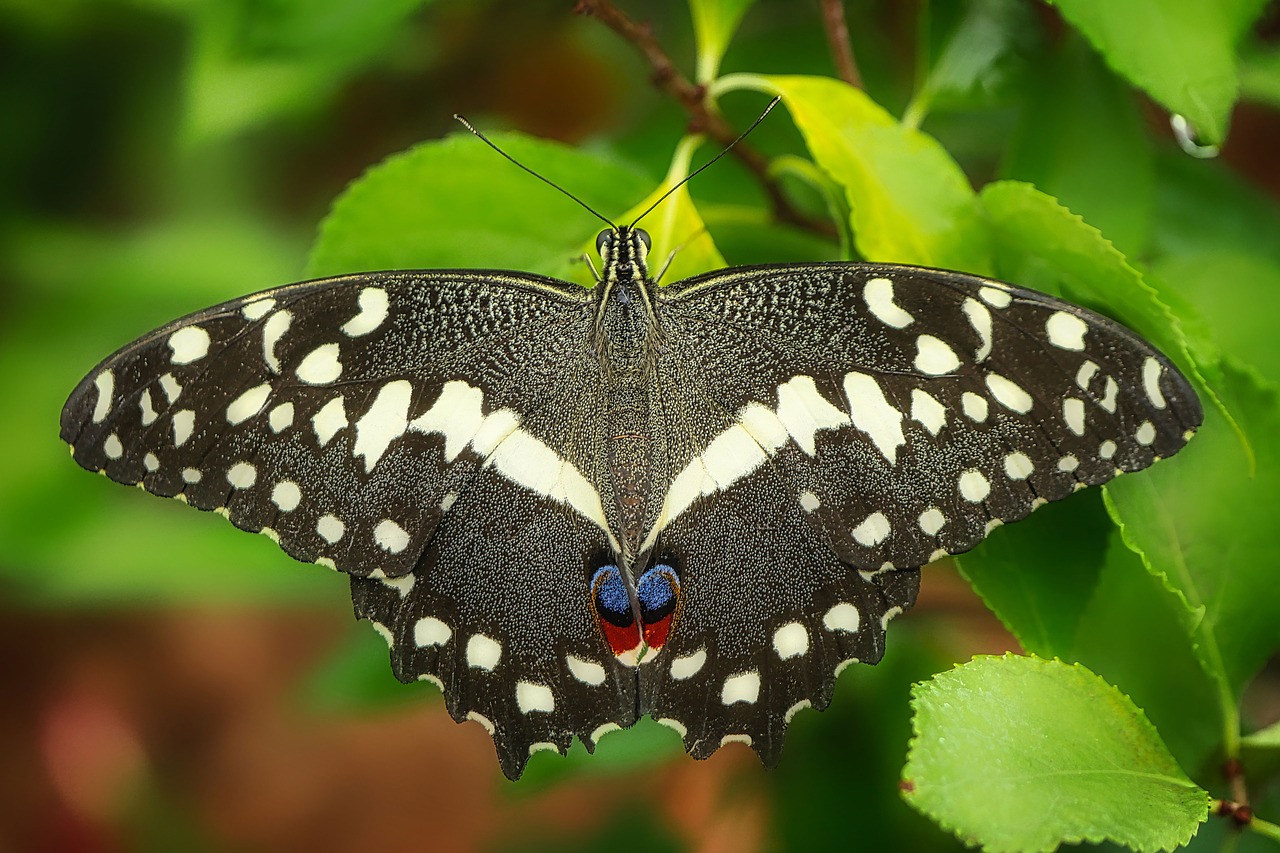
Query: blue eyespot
657,591
611,595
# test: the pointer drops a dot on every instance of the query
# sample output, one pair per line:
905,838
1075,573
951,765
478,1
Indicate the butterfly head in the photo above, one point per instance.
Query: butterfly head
624,249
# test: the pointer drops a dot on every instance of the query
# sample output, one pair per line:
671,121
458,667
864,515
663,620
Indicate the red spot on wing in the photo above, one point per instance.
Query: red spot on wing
621,639
655,633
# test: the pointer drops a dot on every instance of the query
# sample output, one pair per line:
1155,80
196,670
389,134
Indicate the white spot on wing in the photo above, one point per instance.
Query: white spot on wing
980,319
975,406
791,640
112,447
189,344
1085,374
1017,466
1151,371
456,414
242,475
996,297
147,408
272,331
390,536
286,495
105,383
192,475
430,631
934,356
1107,449
932,520
872,413
1109,394
258,309
248,404
184,423
804,411
732,455
1066,331
1146,433
281,417
384,422
320,366
586,671
1068,463
873,530
809,501
927,411
170,387
843,617
330,528
151,462
483,652
688,665
1008,393
974,486
373,310
763,425
1073,414
743,687
878,294
331,418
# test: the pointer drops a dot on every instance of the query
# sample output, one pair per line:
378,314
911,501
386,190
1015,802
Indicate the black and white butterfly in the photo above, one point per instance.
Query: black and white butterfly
569,508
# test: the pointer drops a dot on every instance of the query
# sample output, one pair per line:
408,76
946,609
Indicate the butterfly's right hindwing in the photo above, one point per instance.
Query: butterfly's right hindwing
396,426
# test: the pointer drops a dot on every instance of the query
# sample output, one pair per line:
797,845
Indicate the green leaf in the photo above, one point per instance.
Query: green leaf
253,61
1039,243
1181,52
1022,754
455,203
910,202
714,23
975,56
1218,284
1206,525
1039,575
1082,140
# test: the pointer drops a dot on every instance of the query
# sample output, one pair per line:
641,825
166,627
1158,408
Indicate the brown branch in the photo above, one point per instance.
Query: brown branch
692,98
838,40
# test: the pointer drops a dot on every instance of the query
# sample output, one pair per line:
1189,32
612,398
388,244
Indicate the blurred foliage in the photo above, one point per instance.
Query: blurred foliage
160,156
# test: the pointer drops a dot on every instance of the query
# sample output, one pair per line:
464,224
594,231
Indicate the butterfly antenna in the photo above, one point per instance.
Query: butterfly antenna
545,180
705,165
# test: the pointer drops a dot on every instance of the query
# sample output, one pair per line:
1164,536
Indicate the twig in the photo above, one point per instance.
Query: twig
692,98
838,40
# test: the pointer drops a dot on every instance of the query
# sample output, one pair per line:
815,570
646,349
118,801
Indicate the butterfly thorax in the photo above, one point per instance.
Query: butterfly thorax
626,336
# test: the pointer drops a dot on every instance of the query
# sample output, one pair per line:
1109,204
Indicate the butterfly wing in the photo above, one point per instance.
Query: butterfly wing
405,428
866,419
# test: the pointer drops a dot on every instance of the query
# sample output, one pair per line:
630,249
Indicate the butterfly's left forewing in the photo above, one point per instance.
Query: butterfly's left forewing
406,428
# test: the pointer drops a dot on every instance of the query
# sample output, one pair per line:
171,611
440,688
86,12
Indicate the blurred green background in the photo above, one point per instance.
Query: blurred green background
173,684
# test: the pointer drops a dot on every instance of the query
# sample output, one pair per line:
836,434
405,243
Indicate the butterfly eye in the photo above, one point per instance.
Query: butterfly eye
644,238
604,238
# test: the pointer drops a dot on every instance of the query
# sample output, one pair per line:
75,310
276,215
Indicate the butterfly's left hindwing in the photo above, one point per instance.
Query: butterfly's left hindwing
401,427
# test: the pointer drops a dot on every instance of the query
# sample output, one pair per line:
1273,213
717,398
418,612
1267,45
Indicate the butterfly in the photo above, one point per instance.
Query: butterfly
570,508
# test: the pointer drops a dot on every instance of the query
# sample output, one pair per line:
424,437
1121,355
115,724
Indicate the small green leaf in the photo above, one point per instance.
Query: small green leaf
714,23
1020,754
910,202
455,203
975,56
1181,52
